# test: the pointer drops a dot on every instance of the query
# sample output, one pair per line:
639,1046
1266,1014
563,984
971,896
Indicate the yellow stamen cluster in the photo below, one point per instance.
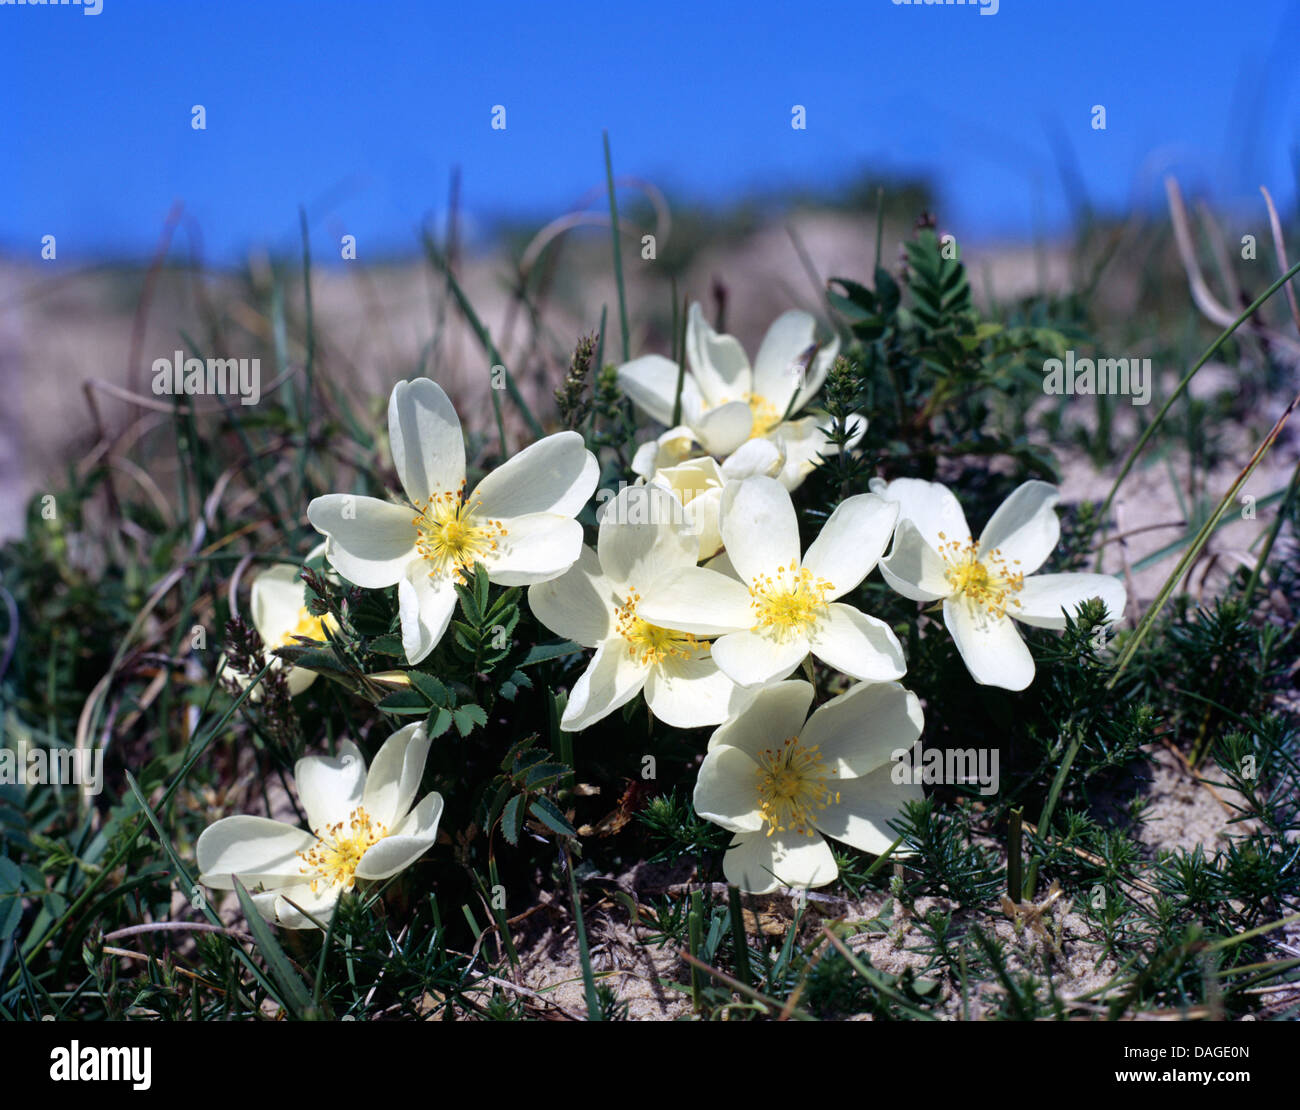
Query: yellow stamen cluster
791,603
988,583
792,787
766,416
309,627
451,537
338,849
648,643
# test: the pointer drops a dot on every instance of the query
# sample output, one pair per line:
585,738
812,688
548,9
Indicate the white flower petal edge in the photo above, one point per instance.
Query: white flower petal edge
780,783
518,522
984,585
364,827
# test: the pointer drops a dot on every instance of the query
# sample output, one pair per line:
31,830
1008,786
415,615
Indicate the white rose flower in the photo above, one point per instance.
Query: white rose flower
364,827
984,584
780,783
782,605
726,402
518,522
278,607
642,536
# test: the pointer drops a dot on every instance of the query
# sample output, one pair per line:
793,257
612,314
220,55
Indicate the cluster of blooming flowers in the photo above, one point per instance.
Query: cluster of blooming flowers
698,595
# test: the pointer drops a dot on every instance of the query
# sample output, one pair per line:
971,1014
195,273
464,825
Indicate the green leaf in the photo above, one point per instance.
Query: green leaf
548,813
467,716
388,644
512,818
438,723
431,687
405,703
540,653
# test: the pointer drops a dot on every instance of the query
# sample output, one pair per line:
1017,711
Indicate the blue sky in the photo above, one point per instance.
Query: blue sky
359,110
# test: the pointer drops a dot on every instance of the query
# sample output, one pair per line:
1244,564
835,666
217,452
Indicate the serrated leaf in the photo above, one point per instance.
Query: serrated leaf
469,605
467,716
431,687
543,774
438,723
388,644
512,819
548,813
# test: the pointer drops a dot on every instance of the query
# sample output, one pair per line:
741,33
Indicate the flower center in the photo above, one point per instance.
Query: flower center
988,583
792,787
766,416
451,536
338,849
648,643
309,627
789,604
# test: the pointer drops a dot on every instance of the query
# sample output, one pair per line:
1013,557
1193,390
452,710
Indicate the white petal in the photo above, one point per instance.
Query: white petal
298,679
861,729
370,541
931,507
773,715
578,605
866,806
256,849
690,693
1044,596
554,475
425,607
913,568
862,647
696,600
650,382
778,366
643,534
726,790
320,904
724,428
330,787
761,456
535,548
425,439
406,843
751,659
759,527
759,863
851,542
718,361
612,679
1024,530
395,773
276,601
990,646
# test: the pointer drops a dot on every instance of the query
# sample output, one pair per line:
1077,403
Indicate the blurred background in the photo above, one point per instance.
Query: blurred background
757,144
